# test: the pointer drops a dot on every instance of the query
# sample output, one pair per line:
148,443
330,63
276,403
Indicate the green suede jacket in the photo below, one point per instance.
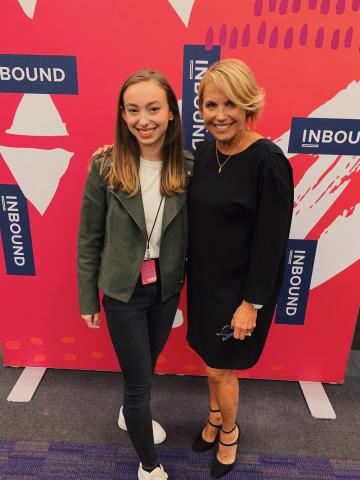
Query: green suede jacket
112,241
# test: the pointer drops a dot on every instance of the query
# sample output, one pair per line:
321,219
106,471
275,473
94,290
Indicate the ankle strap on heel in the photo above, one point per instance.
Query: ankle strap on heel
236,441
213,424
214,411
230,431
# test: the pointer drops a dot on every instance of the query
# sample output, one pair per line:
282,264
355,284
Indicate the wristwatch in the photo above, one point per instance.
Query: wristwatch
256,306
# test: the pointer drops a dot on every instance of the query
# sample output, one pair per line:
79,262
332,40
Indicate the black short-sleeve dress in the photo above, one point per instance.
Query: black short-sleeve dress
239,222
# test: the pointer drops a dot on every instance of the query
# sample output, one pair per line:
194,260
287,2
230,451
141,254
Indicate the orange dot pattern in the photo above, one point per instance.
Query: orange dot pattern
12,345
36,341
276,367
70,357
40,357
97,355
68,340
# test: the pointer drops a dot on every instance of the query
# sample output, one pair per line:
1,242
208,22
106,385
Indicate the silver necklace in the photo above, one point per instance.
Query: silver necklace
221,165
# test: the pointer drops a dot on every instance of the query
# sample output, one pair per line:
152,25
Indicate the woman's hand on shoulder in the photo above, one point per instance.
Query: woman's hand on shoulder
244,320
92,320
102,150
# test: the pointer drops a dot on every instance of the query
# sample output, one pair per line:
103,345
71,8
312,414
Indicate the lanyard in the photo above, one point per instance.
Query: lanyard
149,236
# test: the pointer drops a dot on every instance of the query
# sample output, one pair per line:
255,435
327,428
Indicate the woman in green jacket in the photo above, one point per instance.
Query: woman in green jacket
132,245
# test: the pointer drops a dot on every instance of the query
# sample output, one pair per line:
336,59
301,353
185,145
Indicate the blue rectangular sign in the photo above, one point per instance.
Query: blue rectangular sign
332,136
38,74
15,231
196,62
292,301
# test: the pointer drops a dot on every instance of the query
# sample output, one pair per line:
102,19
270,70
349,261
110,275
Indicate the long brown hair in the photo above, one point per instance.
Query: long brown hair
124,168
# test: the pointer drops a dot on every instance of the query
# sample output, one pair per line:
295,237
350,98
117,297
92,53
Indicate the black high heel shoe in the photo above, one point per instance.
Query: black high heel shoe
219,469
201,445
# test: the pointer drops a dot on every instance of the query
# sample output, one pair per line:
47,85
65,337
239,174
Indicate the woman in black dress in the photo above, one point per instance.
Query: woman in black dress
240,207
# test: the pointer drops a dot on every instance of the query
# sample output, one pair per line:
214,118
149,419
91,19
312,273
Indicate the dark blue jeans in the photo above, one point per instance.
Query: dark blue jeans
139,330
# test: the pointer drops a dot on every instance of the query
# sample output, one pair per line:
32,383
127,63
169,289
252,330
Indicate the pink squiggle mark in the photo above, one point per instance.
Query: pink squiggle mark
283,7
296,6
272,5
261,34
356,5
234,38
258,8
223,35
325,7
209,39
289,38
274,37
245,40
340,7
319,39
335,40
348,37
304,32
312,4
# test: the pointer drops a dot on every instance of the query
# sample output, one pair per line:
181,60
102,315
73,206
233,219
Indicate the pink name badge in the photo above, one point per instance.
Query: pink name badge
148,272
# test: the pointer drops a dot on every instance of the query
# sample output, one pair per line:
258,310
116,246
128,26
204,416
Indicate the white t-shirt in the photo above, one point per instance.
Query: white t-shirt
150,172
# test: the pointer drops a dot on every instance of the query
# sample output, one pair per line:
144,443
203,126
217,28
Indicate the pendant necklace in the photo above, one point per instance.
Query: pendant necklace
221,165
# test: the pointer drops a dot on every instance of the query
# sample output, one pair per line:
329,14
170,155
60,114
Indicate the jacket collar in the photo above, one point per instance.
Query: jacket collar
135,208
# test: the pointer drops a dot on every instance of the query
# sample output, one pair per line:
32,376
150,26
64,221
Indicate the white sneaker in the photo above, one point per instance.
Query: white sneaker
158,431
157,474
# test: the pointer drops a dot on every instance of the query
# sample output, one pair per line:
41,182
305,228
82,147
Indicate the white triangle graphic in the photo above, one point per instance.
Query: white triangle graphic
37,172
183,9
37,115
29,7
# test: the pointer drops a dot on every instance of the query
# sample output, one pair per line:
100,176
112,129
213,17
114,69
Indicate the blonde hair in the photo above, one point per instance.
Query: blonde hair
237,82
123,170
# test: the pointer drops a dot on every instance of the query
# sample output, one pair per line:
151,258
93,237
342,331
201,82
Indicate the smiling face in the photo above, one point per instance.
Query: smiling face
224,120
147,114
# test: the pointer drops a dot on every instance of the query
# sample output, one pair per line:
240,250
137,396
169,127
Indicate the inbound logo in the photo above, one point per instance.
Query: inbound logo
292,301
196,62
15,231
332,136
38,74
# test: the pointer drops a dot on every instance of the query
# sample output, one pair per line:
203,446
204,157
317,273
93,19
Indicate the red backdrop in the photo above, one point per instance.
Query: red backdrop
40,323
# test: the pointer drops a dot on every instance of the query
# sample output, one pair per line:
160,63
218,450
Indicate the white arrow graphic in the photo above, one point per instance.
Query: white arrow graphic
37,115
37,172
183,8
29,7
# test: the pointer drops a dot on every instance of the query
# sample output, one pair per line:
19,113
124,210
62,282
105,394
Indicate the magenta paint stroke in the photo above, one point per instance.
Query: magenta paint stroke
319,39
304,33
274,37
283,7
245,40
335,40
296,6
234,38
340,7
261,37
348,37
325,7
289,38
209,39
223,35
258,7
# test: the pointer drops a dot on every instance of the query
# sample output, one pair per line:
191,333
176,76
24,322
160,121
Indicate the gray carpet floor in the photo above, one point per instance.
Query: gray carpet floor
82,406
